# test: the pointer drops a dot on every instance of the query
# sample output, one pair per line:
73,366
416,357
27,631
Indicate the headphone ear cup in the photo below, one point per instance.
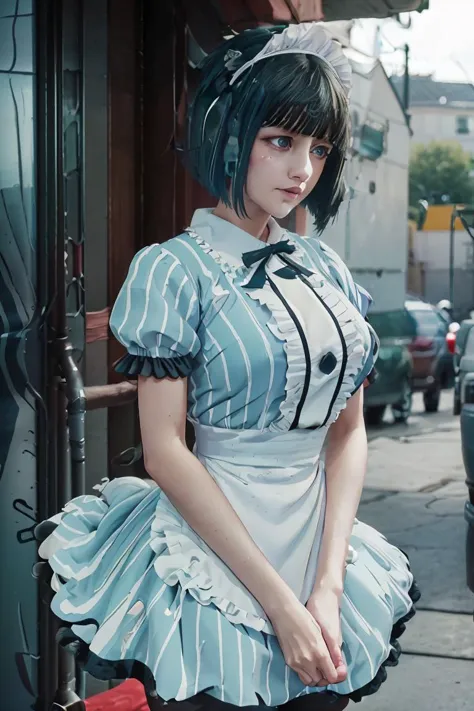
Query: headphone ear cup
231,155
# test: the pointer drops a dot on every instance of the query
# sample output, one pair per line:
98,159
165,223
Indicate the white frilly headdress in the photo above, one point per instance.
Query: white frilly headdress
304,38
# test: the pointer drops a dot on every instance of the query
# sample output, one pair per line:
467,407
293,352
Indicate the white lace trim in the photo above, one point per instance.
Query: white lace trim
179,559
283,327
228,269
352,336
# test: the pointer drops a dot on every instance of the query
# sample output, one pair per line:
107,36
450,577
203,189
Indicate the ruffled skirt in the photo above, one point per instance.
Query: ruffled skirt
132,623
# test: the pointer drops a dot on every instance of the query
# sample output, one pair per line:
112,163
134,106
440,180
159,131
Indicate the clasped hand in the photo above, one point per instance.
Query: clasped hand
310,639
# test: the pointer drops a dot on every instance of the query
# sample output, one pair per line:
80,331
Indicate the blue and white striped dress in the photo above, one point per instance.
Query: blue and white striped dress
273,341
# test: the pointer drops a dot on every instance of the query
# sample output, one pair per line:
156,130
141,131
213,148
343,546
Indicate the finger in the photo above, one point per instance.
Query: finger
307,679
327,668
341,676
341,671
334,648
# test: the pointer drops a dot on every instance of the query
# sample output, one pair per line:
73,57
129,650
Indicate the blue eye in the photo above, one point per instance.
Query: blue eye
281,142
321,151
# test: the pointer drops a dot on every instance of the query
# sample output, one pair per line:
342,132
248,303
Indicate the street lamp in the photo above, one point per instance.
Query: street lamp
465,214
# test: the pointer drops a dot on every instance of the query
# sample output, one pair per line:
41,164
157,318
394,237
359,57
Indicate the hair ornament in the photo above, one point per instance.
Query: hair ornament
230,59
303,38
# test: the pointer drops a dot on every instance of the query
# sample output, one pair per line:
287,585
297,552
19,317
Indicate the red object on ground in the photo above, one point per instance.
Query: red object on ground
451,342
129,696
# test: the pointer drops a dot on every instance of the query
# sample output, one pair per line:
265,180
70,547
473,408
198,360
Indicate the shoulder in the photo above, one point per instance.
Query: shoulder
180,250
178,257
161,288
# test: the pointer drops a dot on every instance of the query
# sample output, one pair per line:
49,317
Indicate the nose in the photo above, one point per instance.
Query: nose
301,168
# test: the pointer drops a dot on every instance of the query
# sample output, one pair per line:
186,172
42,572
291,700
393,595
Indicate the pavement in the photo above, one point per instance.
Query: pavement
415,494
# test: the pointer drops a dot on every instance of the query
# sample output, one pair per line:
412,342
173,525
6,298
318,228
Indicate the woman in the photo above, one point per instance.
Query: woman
240,570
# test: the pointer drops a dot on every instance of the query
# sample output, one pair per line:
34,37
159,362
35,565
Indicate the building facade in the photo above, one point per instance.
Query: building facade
440,111
371,229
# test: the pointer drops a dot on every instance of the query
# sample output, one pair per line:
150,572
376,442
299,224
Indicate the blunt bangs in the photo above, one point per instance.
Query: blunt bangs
297,92
305,97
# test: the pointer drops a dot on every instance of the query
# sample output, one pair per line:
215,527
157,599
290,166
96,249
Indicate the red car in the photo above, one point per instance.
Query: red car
433,367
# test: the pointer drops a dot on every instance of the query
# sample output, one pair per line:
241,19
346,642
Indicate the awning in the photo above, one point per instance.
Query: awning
210,20
240,13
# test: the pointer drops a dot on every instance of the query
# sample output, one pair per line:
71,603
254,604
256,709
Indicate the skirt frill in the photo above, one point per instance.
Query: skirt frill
128,622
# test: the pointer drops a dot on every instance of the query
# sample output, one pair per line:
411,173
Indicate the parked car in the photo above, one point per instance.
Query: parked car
392,388
433,365
465,385
461,356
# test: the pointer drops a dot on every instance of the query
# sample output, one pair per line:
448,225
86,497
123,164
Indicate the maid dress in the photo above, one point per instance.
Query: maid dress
273,340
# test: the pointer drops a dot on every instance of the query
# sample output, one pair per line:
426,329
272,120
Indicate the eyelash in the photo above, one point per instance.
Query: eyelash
289,139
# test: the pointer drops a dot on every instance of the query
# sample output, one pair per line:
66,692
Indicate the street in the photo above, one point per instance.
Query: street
415,495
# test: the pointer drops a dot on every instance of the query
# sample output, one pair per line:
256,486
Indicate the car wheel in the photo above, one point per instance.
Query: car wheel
456,405
374,415
431,399
401,411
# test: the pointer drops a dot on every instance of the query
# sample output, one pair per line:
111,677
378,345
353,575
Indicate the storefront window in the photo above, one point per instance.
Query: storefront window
19,359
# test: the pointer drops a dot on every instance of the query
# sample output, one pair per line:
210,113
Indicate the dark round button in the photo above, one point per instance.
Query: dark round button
327,363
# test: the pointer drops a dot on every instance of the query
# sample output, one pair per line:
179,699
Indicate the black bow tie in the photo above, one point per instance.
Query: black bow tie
263,255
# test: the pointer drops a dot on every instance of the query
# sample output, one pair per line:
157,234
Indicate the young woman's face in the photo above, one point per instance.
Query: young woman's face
283,169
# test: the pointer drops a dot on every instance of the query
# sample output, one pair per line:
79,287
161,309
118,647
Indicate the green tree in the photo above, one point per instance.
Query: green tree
440,172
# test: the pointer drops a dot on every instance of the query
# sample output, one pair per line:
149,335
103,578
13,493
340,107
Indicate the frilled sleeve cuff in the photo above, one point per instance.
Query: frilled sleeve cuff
134,365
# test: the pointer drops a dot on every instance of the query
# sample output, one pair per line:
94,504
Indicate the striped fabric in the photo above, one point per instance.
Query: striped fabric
269,369
104,571
179,299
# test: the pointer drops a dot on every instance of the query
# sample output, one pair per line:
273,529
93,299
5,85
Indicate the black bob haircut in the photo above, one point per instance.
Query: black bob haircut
297,92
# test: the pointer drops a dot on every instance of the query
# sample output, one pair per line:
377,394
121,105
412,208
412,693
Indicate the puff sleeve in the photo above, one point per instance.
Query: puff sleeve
156,316
361,299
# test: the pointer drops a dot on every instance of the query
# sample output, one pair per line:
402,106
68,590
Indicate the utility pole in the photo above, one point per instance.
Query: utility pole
406,83
466,217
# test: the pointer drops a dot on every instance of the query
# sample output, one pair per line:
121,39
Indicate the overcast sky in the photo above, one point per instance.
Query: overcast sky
440,40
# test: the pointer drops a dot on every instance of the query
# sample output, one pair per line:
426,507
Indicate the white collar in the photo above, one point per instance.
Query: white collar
228,239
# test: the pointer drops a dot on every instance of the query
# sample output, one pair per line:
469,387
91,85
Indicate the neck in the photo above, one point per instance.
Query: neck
256,224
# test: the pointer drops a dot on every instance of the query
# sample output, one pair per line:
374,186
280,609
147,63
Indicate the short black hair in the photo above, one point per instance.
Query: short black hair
297,92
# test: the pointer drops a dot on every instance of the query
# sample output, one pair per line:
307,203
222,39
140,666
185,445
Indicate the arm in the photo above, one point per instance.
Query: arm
111,395
346,462
162,407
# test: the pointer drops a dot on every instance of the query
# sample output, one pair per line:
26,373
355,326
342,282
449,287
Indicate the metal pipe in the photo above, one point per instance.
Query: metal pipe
76,411
47,679
65,696
454,215
406,80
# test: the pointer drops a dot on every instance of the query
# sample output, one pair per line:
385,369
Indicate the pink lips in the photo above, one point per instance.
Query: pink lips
291,193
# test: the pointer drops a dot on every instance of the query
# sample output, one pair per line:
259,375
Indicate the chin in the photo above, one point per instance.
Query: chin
281,211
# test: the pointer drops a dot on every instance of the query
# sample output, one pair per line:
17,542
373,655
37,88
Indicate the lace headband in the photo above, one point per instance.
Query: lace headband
305,38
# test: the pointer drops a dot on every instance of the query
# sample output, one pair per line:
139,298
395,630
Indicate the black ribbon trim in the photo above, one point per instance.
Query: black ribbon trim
134,365
259,276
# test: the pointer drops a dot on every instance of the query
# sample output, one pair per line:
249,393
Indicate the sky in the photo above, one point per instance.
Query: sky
441,41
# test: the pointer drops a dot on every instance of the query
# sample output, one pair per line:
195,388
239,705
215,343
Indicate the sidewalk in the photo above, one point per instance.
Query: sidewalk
415,495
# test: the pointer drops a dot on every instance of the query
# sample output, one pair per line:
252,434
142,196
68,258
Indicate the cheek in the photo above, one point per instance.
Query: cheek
261,164
318,167
259,158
